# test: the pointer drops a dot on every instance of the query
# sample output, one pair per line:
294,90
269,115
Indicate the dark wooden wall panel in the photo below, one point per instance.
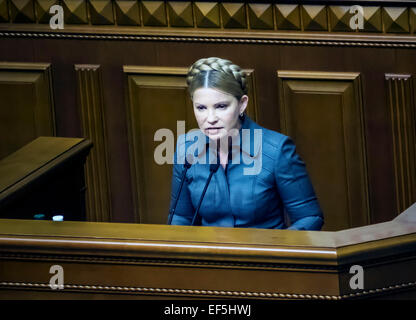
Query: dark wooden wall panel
403,124
323,114
92,114
157,98
27,109
379,16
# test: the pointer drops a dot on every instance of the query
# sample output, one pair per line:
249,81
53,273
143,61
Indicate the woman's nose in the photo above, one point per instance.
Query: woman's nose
212,116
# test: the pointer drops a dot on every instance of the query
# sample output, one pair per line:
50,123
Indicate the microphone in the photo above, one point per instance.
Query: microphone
186,166
212,168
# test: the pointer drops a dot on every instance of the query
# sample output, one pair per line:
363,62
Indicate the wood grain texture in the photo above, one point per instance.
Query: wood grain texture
401,95
323,113
157,98
92,114
32,157
379,16
27,106
206,262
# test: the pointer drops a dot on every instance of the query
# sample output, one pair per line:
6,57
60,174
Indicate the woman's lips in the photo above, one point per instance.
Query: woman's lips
213,130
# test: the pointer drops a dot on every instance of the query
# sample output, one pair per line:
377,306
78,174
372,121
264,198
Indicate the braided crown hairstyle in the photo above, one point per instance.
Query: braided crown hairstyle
218,74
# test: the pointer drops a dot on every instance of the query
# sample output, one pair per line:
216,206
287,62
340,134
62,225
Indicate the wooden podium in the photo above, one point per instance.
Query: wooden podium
138,261
45,177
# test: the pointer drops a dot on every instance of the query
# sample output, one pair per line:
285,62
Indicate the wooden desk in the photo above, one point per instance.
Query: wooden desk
116,260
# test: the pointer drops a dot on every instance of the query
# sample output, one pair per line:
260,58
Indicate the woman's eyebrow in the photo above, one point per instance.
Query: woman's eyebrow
222,102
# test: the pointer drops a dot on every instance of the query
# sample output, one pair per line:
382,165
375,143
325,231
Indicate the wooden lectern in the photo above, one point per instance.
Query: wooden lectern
45,177
115,260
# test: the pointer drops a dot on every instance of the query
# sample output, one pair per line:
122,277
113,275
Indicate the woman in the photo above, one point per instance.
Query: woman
260,174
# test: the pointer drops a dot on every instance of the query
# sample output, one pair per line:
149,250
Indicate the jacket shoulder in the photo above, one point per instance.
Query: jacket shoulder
272,140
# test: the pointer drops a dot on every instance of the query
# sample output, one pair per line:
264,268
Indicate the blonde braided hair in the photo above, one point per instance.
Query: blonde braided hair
226,76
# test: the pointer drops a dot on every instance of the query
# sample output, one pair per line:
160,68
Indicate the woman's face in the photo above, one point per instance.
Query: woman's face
217,112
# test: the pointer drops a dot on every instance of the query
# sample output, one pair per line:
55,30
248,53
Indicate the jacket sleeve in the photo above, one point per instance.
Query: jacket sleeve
295,189
184,209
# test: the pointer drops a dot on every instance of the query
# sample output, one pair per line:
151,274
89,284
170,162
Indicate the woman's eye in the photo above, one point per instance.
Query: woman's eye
200,108
222,106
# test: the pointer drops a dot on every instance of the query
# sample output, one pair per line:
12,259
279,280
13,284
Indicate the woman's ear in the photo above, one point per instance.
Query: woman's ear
243,103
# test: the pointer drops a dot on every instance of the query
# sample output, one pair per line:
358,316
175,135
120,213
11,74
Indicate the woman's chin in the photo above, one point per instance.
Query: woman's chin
215,135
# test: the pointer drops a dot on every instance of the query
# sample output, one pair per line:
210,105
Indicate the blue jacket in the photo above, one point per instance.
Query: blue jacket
264,176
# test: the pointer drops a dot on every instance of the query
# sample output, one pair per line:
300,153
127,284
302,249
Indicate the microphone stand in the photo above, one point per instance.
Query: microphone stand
186,166
212,168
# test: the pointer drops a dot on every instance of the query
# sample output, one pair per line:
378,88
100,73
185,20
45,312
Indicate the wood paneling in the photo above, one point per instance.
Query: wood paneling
180,14
207,14
323,113
101,12
260,16
42,10
233,15
92,114
158,98
27,109
22,11
154,13
379,16
403,123
127,13
4,11
75,11
315,18
252,106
